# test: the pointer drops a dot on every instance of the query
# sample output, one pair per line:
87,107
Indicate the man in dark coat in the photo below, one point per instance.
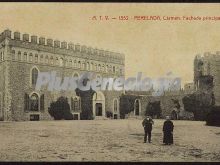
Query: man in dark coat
168,131
147,124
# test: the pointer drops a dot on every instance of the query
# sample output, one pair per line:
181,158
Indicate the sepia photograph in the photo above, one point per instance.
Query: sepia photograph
109,82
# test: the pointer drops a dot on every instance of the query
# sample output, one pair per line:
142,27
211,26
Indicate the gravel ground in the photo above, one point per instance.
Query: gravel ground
106,140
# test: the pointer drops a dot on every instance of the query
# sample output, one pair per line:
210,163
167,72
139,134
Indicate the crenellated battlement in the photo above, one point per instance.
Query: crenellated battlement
41,41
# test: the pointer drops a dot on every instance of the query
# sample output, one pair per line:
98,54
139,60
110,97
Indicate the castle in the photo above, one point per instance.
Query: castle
23,57
207,74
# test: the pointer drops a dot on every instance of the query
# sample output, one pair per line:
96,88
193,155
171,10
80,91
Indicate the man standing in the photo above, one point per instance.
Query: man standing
147,124
168,131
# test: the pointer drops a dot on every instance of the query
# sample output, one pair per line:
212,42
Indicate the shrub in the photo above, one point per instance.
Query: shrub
109,114
153,109
213,117
60,109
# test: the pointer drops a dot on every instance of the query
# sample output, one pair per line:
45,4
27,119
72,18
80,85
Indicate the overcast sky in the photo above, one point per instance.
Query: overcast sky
151,47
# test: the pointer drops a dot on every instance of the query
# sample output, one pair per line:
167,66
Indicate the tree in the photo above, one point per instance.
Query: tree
60,109
153,109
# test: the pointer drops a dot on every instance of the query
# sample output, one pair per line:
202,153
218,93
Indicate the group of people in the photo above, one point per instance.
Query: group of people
167,130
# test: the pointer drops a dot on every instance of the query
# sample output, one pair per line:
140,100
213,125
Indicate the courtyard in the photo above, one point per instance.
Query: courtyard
106,140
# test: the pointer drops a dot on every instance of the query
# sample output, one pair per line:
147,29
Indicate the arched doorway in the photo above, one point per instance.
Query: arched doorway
137,107
98,104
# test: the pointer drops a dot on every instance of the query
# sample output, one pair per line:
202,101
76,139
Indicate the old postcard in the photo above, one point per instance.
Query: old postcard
109,82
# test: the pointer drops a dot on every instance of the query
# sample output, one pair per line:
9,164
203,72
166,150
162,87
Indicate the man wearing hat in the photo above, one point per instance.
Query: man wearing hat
147,124
168,131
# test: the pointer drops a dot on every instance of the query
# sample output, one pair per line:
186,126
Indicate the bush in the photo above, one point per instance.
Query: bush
60,109
153,109
213,117
109,114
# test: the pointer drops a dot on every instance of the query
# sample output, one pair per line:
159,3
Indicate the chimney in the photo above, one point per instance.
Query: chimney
34,39
49,42
42,41
17,35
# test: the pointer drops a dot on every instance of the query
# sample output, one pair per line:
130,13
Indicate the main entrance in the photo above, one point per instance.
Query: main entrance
98,104
98,107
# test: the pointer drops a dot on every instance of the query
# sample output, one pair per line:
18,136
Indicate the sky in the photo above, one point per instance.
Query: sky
151,47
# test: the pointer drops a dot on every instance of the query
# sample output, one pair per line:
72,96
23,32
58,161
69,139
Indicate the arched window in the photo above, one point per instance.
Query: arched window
95,67
92,66
13,54
34,102
1,56
19,56
46,59
75,63
79,64
61,61
30,57
83,65
25,56
103,68
70,62
137,107
36,58
34,74
57,61
115,102
88,66
41,58
99,67
51,60
113,69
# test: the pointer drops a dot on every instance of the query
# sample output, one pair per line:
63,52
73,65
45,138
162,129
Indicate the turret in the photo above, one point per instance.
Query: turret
34,39
49,42
26,37
42,41
17,35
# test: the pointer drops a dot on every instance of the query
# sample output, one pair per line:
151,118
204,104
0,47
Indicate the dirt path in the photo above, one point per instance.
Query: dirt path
106,140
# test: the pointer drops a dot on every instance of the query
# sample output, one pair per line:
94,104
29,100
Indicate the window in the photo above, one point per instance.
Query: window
115,106
34,102
91,68
79,64
99,67
88,66
19,56
1,56
25,56
83,65
41,58
113,69
70,63
13,54
75,104
61,61
95,67
30,57
36,58
75,63
34,74
46,59
120,71
57,61
51,60
103,68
